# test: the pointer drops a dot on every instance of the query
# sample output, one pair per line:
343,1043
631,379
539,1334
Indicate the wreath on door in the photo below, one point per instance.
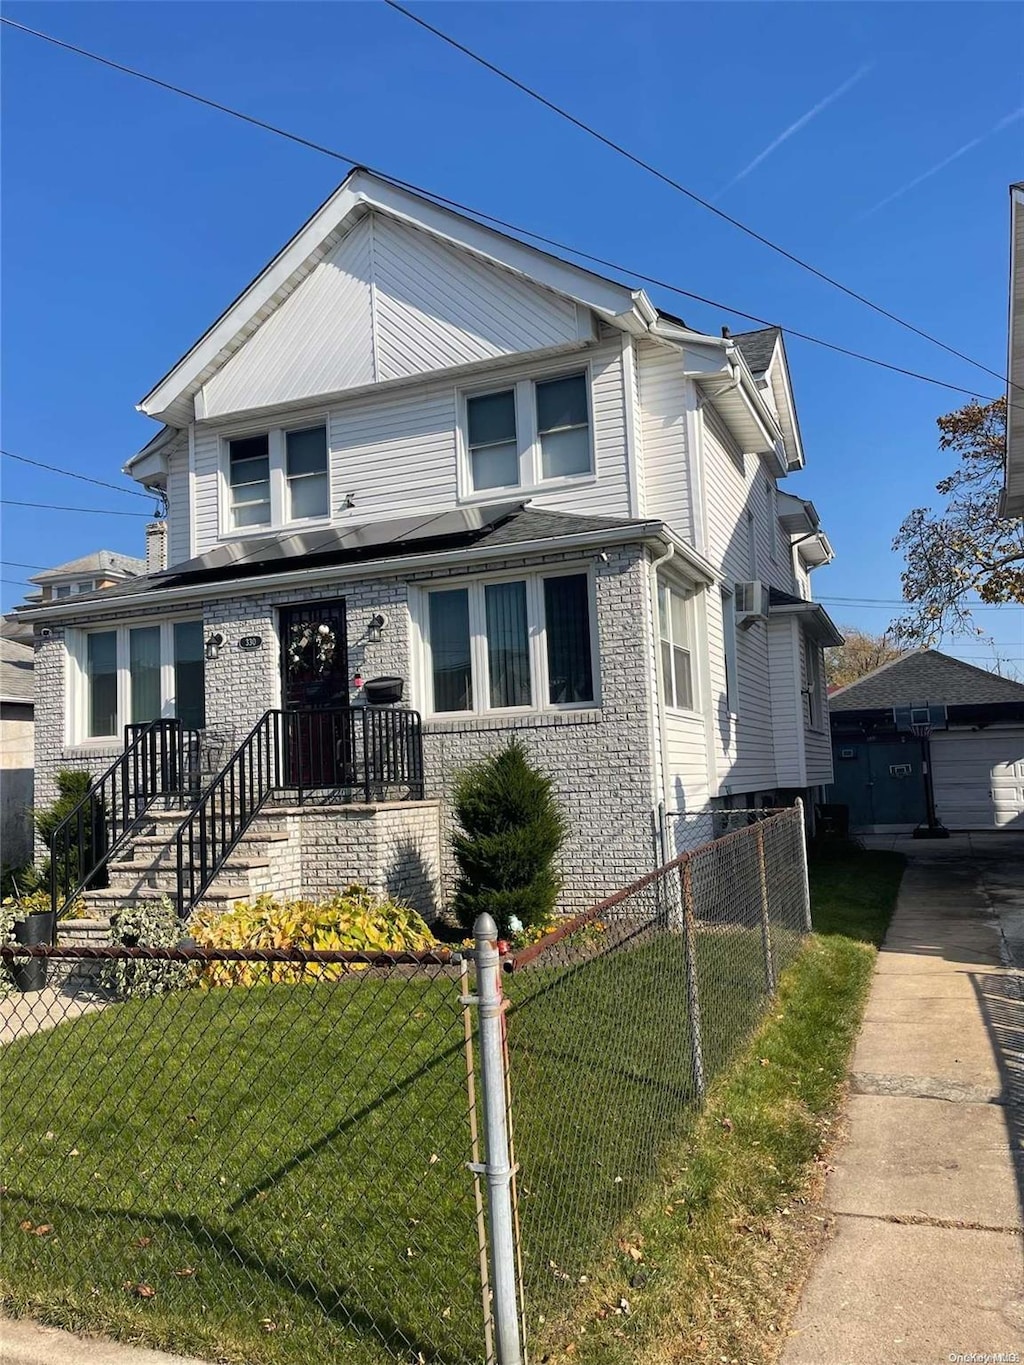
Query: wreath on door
312,647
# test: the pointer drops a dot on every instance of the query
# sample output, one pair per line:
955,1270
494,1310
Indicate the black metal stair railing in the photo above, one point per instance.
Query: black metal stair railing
360,752
155,763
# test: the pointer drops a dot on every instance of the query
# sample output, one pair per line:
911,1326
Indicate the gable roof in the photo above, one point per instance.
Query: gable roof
17,671
765,354
100,564
925,676
757,348
360,192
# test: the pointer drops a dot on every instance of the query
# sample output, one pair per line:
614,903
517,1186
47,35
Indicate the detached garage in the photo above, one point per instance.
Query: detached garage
929,710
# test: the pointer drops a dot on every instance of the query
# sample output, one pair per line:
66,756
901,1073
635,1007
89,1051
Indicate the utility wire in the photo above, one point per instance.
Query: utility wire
53,507
685,190
482,215
70,474
20,564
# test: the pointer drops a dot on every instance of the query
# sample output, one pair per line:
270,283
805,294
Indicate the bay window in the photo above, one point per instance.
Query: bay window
276,478
675,632
135,674
509,644
527,434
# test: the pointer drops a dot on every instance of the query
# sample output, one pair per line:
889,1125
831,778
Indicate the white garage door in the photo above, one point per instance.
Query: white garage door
979,778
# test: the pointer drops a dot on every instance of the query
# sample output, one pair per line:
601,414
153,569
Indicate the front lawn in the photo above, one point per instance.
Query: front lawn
276,1175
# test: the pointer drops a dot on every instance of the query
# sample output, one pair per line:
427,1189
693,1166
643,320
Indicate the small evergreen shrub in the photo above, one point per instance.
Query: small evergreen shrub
8,915
146,925
354,920
72,787
511,830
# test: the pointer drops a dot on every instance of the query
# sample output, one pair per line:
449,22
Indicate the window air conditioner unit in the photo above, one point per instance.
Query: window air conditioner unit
751,603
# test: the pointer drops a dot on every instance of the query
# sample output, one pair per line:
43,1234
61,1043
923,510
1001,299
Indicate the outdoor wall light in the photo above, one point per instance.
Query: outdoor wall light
377,623
213,644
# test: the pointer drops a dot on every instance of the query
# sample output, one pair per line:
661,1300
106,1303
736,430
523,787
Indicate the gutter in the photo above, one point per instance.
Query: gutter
659,733
643,532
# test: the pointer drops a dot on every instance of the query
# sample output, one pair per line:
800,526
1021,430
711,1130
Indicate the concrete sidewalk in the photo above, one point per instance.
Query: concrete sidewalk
927,1260
27,1343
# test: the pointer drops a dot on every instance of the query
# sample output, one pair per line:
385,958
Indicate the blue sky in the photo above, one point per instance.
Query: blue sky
132,216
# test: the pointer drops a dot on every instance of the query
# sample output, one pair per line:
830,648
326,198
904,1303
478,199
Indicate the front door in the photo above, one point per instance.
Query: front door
314,693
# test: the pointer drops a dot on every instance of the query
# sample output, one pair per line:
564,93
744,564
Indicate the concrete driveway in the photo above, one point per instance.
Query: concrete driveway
926,1262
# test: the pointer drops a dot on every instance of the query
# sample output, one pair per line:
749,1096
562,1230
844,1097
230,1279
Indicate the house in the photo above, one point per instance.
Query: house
1013,488
16,744
415,448
929,706
89,573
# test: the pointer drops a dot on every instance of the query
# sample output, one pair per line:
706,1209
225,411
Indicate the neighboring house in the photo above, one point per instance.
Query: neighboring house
976,745
1013,496
90,573
416,447
17,662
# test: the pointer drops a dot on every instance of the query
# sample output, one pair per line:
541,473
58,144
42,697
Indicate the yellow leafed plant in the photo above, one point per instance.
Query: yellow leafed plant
353,920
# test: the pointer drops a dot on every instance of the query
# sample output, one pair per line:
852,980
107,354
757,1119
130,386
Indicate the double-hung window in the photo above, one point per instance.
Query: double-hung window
277,477
528,434
509,644
675,629
135,674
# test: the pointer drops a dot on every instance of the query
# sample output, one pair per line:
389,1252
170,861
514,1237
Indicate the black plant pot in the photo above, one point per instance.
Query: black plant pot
30,973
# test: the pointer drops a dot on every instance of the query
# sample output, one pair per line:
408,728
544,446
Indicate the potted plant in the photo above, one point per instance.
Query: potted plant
33,925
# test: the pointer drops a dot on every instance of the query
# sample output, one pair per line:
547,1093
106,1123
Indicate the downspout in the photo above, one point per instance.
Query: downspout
659,736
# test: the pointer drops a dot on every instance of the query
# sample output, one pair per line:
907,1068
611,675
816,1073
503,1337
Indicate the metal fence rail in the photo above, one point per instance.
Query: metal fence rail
299,1158
616,1023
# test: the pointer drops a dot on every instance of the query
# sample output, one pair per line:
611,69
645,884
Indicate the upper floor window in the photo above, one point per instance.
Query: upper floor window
675,629
530,433
516,643
66,589
277,477
773,520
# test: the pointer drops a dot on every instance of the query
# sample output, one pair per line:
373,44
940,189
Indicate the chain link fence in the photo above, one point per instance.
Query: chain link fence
287,1157
244,1156
616,1023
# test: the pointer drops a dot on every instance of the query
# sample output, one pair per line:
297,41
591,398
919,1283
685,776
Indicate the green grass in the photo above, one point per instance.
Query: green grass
725,1235
300,1150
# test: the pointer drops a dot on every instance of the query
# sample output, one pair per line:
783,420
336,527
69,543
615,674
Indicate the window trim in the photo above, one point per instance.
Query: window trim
278,461
531,478
729,652
540,682
773,519
689,596
77,690
813,685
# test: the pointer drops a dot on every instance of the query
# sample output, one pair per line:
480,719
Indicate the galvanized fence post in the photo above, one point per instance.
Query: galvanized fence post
805,879
498,1163
692,988
766,924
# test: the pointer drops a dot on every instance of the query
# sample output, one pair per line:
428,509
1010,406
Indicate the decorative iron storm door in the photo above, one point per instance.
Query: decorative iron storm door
319,750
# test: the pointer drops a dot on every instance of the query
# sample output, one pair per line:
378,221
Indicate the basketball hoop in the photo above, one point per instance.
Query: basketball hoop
922,729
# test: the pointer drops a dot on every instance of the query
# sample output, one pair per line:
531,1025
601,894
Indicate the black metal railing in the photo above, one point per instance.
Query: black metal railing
362,752
155,762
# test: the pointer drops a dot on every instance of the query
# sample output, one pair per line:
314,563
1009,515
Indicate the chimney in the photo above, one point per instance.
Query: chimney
156,546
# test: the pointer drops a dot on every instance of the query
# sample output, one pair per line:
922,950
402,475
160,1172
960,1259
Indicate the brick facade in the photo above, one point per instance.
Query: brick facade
600,757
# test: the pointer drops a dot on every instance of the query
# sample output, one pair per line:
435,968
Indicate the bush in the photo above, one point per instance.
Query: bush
512,829
72,786
152,925
19,882
354,920
8,915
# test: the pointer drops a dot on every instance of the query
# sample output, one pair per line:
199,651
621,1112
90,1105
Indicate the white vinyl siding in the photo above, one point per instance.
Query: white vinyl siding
395,452
668,481
389,302
787,712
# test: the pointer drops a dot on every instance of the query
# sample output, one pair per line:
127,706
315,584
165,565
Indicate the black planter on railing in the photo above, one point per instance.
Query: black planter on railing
30,973
384,691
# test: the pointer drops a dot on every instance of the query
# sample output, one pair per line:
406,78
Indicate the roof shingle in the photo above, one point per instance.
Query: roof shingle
925,676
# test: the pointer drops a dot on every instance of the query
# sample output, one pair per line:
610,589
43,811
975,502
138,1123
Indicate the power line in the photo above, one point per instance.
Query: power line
53,507
71,474
685,190
20,564
487,217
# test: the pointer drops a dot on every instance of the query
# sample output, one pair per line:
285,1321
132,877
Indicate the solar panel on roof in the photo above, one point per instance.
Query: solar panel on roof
343,541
